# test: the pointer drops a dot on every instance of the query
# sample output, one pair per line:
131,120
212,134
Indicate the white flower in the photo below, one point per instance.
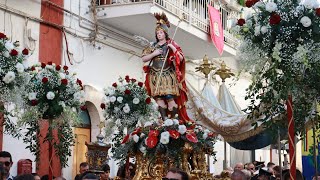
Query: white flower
148,123
168,122
143,149
49,67
20,67
77,96
135,138
259,5
116,109
62,75
119,99
136,101
182,129
122,89
32,96
164,139
142,135
50,95
257,30
9,45
305,21
310,4
118,122
126,108
109,91
6,54
113,99
205,136
9,77
264,29
106,100
271,6
176,121
62,104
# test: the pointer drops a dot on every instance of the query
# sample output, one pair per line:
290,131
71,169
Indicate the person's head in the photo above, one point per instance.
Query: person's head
247,173
286,175
176,174
251,167
36,176
264,174
276,171
46,177
238,175
84,167
25,177
161,35
270,166
90,176
238,166
6,160
60,178
106,172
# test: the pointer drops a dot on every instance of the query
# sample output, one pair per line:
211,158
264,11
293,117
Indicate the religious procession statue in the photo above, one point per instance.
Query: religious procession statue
165,79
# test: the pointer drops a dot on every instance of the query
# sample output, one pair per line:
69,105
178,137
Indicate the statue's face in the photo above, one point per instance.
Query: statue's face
161,35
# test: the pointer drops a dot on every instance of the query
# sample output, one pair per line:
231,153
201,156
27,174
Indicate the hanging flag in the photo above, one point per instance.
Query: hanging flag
216,31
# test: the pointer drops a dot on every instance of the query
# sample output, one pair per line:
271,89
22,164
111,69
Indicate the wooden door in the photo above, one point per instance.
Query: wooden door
82,135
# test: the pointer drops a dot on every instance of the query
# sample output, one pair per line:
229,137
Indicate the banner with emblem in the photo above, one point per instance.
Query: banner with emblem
216,31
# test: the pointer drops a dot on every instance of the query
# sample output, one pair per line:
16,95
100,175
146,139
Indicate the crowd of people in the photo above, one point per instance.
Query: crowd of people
257,171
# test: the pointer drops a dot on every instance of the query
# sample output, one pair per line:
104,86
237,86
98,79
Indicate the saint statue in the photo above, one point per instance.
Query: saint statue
165,79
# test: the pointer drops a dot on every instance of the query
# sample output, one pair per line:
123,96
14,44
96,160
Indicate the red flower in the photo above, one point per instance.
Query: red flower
125,139
14,52
34,102
192,137
127,91
151,141
103,106
58,67
50,63
146,69
249,3
211,134
43,65
44,80
274,19
65,68
2,36
33,68
25,51
136,131
114,85
148,100
133,80
181,122
174,134
79,82
153,133
64,81
318,11
127,78
83,108
140,84
241,22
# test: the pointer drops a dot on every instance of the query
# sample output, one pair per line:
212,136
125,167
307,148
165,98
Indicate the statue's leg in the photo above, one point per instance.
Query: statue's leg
172,107
162,108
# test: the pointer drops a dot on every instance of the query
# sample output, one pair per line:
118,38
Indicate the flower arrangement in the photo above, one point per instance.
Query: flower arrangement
12,69
127,104
168,138
56,95
280,48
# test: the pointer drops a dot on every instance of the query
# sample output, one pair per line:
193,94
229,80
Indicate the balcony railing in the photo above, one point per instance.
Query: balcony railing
195,12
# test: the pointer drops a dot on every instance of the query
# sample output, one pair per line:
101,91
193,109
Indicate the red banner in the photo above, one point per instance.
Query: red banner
216,31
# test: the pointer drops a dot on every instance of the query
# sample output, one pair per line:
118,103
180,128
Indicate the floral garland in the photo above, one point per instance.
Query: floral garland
54,94
132,124
168,138
12,79
127,104
281,49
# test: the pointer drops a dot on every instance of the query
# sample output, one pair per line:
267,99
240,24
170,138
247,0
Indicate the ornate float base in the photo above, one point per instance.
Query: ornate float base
156,167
